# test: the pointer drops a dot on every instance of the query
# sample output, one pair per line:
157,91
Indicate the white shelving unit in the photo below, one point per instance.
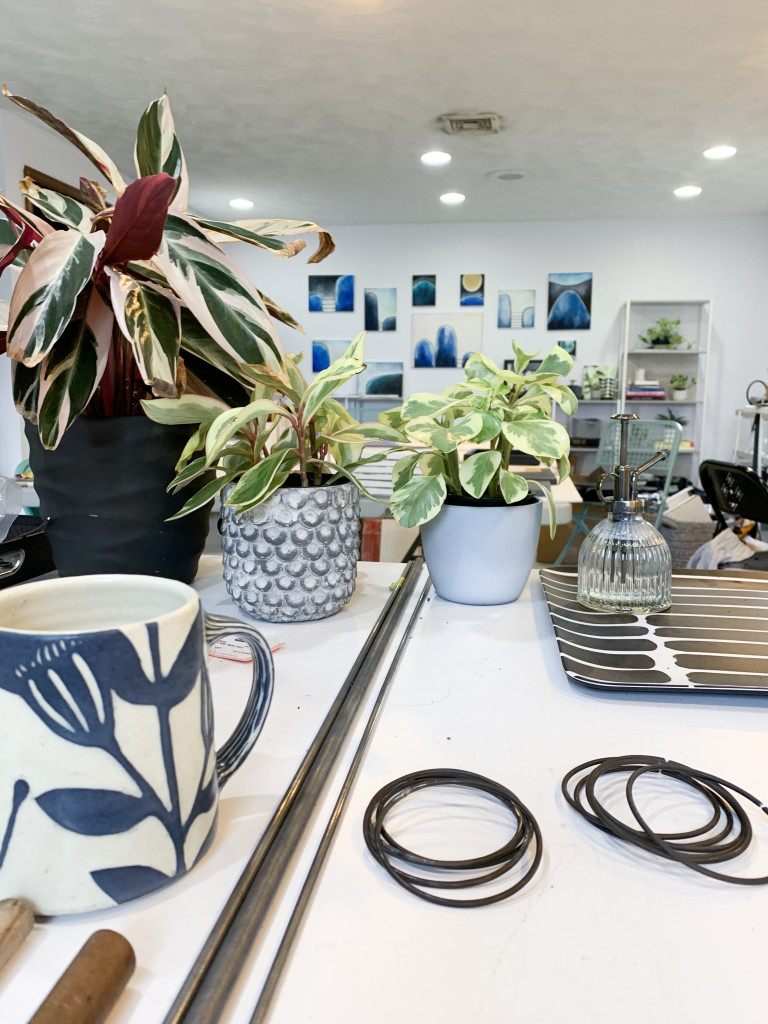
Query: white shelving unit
661,363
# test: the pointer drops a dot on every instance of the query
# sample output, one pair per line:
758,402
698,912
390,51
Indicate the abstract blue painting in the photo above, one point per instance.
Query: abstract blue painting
331,294
569,304
517,308
381,379
472,291
445,339
424,289
325,352
381,309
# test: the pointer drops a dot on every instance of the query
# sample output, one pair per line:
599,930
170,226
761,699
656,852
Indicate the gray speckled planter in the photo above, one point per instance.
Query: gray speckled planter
294,557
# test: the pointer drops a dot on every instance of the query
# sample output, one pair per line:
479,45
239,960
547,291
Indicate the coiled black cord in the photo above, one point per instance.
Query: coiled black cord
386,850
726,835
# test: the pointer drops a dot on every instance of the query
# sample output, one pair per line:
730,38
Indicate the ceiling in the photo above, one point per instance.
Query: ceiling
320,110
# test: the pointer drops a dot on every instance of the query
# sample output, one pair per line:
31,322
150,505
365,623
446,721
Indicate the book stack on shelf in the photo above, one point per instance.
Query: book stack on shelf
645,389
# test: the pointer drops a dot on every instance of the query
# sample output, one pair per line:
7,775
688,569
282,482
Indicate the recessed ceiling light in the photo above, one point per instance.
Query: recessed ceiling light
719,152
241,204
687,191
452,198
435,158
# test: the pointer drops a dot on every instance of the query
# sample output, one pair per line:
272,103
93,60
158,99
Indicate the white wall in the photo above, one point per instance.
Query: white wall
723,259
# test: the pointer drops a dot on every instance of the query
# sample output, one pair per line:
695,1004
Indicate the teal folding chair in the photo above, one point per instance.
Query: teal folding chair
646,437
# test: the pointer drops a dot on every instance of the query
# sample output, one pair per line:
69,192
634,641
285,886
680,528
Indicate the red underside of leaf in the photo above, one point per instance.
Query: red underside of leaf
136,230
26,238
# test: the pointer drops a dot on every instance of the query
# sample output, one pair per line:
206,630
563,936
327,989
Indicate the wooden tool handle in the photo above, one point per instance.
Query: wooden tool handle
16,920
91,985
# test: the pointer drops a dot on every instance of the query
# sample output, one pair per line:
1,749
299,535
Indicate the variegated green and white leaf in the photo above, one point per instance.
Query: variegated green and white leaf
206,493
326,382
258,483
56,207
425,404
491,427
279,313
445,439
373,431
540,437
268,229
477,471
198,341
46,292
556,361
71,371
392,417
513,487
222,231
432,464
224,428
157,149
26,385
346,453
94,152
418,501
403,469
187,409
150,320
195,443
550,505
218,293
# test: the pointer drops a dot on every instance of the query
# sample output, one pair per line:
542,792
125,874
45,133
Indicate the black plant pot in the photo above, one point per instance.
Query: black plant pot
103,492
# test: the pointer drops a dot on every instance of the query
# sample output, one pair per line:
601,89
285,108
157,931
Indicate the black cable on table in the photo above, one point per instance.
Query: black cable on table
726,835
387,850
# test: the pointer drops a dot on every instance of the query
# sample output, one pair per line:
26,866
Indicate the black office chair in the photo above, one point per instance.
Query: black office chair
737,491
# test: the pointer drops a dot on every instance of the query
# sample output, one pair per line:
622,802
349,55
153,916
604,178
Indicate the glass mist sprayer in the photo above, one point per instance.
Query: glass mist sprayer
624,563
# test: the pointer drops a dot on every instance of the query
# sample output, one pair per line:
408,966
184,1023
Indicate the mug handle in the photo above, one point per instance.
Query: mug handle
238,746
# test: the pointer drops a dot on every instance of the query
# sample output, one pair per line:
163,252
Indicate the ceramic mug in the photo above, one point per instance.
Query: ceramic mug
109,778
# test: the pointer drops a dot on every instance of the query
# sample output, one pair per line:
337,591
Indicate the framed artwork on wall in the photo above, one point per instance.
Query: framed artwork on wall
445,339
380,309
569,302
423,289
331,293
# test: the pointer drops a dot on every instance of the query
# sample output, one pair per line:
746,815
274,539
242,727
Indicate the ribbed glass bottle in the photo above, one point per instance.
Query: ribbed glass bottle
625,566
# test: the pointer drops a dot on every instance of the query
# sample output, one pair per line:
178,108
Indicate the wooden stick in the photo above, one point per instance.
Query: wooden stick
16,920
91,985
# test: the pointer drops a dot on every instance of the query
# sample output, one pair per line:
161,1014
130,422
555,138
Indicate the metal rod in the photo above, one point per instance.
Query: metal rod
209,983
264,1004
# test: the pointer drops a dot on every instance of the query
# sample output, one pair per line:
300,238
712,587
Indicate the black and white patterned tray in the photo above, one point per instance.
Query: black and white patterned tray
714,638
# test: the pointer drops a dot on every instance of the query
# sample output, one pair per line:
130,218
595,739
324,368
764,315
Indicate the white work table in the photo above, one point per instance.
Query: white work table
603,934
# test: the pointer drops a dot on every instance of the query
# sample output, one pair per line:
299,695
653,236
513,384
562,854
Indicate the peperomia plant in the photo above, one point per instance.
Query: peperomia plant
126,296
289,429
502,409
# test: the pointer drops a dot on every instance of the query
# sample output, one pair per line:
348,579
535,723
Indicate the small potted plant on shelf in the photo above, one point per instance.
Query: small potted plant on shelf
285,463
663,334
679,383
479,522
121,297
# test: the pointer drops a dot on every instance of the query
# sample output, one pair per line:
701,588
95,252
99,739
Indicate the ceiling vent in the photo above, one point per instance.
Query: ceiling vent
478,124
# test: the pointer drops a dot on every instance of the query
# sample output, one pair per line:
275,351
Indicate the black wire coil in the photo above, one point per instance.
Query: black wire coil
493,865
726,835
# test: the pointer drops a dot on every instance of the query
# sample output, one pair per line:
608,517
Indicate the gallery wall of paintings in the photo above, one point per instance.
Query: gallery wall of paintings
439,338
537,283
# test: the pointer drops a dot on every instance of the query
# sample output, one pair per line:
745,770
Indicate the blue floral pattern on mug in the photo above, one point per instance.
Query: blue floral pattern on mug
130,720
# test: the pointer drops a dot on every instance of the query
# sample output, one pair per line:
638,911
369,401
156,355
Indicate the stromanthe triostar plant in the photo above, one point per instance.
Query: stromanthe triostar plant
503,409
126,295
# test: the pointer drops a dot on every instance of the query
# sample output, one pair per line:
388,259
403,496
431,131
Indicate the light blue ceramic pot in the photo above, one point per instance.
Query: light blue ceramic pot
482,553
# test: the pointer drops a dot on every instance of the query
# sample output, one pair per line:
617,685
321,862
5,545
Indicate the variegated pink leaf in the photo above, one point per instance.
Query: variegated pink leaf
259,232
157,150
94,152
70,373
149,319
46,292
218,293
